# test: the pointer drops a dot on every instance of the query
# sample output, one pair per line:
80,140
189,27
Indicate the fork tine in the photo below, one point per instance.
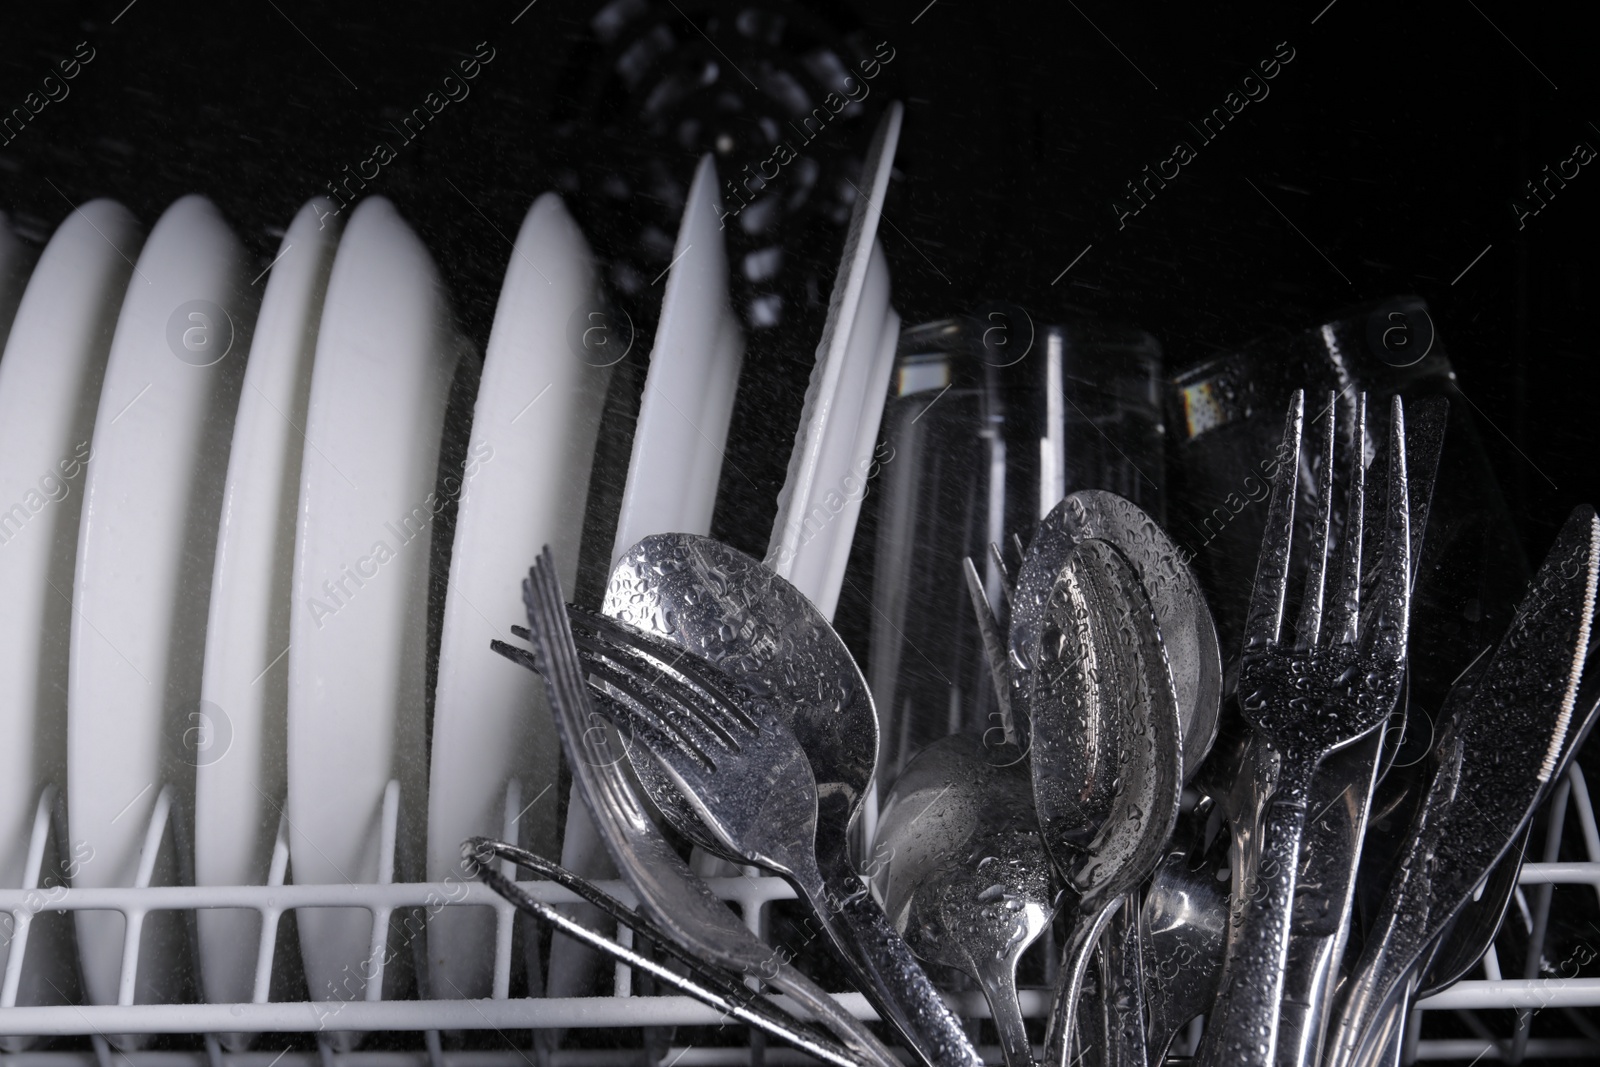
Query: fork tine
520,656
1346,608
628,698
1005,572
709,694
712,701
679,706
676,706
994,647
1306,630
612,799
641,705
1272,566
1388,625
654,734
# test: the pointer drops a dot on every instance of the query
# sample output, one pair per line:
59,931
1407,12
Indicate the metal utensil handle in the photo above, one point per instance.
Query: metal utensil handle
1332,856
1069,984
884,968
1384,1045
715,978
846,1027
799,1037
999,982
1124,999
1382,984
1243,1029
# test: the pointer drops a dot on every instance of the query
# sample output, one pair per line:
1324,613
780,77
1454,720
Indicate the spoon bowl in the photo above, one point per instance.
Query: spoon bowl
771,641
1107,751
966,878
1188,634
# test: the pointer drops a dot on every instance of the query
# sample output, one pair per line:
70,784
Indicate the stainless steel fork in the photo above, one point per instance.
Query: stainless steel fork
668,892
750,782
1337,681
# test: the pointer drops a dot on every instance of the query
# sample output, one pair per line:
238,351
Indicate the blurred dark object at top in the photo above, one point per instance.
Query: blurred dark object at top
783,96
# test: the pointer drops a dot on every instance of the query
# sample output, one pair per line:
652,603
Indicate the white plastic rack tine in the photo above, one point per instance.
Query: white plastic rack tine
511,824
102,1050
505,911
22,918
270,914
622,981
389,830
133,914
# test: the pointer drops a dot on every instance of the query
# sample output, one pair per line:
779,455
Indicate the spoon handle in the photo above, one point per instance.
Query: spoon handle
885,971
1069,983
1379,980
846,1027
1386,1044
1243,1029
999,982
1124,997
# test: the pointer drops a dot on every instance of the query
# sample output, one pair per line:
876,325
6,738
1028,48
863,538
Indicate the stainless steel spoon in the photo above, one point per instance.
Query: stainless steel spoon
1107,750
1187,640
732,610
1185,925
964,875
1188,634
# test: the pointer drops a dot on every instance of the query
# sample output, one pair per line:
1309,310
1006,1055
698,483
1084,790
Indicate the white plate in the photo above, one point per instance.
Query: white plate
145,550
50,379
358,625
676,463
525,485
860,464
679,439
238,743
804,541
817,568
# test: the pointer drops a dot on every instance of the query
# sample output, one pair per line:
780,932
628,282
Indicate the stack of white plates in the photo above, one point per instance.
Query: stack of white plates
217,505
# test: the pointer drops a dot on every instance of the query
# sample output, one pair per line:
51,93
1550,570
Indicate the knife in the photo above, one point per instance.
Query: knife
1504,738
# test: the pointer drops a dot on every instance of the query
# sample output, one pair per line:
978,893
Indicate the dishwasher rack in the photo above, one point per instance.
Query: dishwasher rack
751,894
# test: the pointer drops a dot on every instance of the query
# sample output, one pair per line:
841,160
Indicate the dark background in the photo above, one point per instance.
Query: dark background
1394,142
1384,160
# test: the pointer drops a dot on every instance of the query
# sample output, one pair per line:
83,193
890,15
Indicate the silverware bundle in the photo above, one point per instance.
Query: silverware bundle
1104,796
